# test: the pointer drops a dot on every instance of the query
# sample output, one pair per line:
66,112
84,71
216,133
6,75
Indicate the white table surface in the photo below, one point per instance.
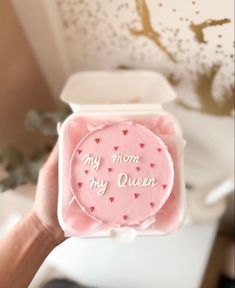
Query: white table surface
178,260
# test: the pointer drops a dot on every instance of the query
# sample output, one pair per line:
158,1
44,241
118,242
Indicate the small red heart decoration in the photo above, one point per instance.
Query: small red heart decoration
79,184
125,131
97,140
138,169
115,148
164,186
86,171
79,151
92,208
141,145
152,204
111,199
152,165
136,195
159,149
110,169
125,217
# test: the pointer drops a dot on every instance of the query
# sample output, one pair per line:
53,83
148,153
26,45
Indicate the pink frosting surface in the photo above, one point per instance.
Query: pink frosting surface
121,174
75,207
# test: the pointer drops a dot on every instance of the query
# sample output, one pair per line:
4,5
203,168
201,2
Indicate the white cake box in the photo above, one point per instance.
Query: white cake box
104,103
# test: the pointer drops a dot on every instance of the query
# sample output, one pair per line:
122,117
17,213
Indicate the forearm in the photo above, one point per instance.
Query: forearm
23,250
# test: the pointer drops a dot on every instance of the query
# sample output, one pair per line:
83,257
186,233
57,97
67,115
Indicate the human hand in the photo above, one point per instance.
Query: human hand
45,208
36,234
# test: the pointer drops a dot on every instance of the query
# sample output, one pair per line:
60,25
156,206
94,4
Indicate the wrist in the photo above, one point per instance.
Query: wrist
50,234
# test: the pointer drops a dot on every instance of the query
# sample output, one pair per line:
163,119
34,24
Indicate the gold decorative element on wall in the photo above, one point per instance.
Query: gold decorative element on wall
124,67
208,103
147,29
173,79
198,28
96,30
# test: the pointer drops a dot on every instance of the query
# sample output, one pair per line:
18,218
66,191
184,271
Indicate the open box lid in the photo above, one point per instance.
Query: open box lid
92,91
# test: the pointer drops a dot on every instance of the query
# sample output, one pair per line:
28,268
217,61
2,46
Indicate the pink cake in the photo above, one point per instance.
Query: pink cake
118,172
121,174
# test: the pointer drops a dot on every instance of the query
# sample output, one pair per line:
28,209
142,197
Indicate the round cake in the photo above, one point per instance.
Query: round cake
121,174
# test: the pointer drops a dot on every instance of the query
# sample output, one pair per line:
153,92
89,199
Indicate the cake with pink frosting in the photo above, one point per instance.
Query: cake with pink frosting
121,174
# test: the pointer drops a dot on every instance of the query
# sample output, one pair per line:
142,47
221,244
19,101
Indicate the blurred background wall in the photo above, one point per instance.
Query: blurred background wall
22,86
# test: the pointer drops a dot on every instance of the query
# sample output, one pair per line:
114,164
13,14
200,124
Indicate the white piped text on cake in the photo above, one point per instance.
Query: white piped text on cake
125,181
101,184
125,158
122,181
93,161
